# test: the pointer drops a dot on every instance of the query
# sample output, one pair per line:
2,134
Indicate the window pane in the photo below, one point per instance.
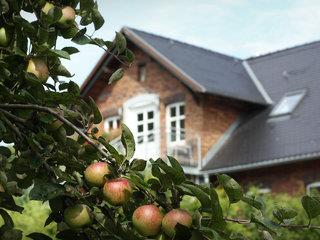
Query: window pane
288,103
140,139
173,135
150,126
140,128
181,110
150,115
173,111
151,137
173,124
110,125
118,123
182,124
140,117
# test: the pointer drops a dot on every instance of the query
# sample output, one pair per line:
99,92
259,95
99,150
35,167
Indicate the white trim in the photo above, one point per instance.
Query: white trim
256,82
177,118
143,104
141,100
312,185
112,119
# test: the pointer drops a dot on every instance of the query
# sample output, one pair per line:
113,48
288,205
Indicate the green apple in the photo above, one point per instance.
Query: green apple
147,220
68,17
172,218
4,37
39,68
77,216
47,7
95,172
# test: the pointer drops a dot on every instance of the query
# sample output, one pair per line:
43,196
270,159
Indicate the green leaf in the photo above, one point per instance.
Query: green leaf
253,201
231,187
117,156
200,194
116,76
97,19
52,17
44,190
176,165
73,88
121,42
7,202
175,175
311,205
97,117
59,53
70,50
39,236
127,140
218,221
4,151
81,39
283,213
4,6
12,234
61,70
138,165
265,224
8,223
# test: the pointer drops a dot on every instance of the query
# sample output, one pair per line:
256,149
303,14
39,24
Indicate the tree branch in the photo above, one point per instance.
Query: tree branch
14,117
247,221
99,147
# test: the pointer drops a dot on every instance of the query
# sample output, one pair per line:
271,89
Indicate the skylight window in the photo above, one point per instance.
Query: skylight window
288,103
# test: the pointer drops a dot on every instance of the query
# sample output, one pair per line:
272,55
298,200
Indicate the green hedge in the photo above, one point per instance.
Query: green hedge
242,210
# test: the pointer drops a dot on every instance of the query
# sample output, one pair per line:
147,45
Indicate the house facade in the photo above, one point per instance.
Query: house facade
213,112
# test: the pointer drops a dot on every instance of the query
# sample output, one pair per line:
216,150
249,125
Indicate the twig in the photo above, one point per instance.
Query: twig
12,126
62,119
14,117
247,221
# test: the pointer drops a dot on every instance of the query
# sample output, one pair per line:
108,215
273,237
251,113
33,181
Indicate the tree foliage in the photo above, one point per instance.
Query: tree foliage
53,138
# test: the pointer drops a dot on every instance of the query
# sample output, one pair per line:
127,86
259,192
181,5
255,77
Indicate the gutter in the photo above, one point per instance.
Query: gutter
267,163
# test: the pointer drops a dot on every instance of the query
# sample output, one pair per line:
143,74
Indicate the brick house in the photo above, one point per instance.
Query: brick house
256,119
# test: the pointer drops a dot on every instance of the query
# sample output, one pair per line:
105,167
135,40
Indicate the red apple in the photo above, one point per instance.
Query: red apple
117,191
95,172
38,67
78,216
172,218
147,220
5,37
68,17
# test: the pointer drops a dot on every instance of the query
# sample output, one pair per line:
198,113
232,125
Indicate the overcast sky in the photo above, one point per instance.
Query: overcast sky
241,28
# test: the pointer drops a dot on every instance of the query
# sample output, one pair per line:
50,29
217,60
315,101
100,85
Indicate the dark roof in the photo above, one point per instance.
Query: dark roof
214,72
260,141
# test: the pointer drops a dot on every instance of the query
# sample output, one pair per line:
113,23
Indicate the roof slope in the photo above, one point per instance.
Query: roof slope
216,73
261,142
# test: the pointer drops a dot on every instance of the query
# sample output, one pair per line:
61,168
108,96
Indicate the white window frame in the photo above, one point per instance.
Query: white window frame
112,119
312,185
276,111
177,119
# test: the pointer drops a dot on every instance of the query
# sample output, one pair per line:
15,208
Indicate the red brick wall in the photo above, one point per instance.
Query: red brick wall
290,178
206,115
